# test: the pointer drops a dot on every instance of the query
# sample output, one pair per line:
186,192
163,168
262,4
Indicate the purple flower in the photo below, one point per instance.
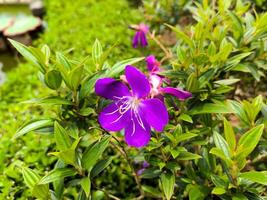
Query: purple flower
156,80
144,166
152,64
140,35
131,110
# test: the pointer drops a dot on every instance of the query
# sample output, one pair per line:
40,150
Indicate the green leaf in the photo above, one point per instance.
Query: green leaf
255,176
221,144
93,153
32,126
57,174
63,61
227,81
219,153
97,52
46,51
167,181
229,135
152,191
184,155
249,140
120,66
185,136
86,185
88,85
62,138
210,108
31,179
100,166
26,53
75,77
218,190
192,83
53,79
55,100
186,118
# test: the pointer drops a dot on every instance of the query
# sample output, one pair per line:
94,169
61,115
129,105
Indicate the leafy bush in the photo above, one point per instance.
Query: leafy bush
214,143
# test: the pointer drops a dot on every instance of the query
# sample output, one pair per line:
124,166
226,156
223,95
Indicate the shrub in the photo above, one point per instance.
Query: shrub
211,147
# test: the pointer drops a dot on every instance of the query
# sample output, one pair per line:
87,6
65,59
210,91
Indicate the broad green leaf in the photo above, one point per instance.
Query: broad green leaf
88,85
93,153
150,173
100,166
26,53
227,81
197,192
218,181
249,140
61,136
219,153
63,61
97,52
218,190
31,179
32,126
238,109
53,79
168,182
46,51
229,135
55,100
221,144
184,155
185,136
255,176
116,69
75,77
192,83
86,185
57,174
152,191
186,118
210,108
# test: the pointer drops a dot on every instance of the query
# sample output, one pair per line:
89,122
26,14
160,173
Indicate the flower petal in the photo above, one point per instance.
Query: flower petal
179,93
155,113
144,28
152,63
111,119
138,81
136,39
110,88
135,134
143,40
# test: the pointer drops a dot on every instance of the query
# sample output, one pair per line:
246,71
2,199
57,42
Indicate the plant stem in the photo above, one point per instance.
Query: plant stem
128,160
134,173
168,53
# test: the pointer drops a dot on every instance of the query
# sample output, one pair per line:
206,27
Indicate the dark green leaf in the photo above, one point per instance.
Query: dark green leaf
33,126
62,138
167,181
57,174
92,154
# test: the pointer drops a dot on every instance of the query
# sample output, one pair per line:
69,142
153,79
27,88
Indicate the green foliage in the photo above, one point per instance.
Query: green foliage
214,145
81,22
